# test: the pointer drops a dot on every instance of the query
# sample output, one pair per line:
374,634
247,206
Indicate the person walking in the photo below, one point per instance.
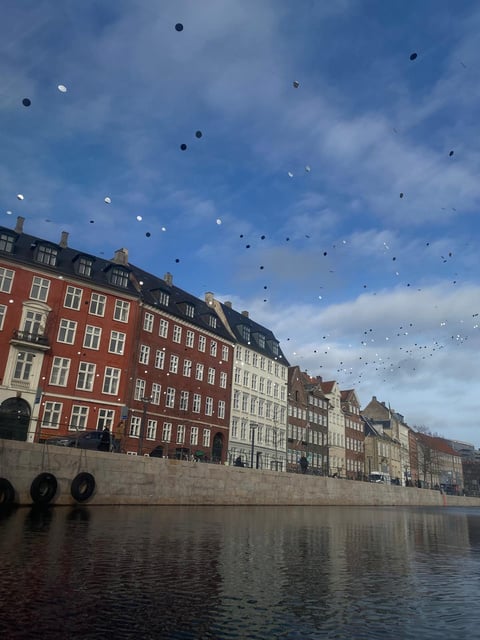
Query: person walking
105,440
303,464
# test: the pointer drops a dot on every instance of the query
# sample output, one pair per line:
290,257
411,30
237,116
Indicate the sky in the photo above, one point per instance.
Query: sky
329,183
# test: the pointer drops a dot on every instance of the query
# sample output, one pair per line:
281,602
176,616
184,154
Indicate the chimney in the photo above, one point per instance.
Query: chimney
64,240
121,257
245,313
228,304
209,298
168,278
19,225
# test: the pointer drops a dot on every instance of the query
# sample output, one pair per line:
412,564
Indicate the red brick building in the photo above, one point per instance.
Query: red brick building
87,343
354,435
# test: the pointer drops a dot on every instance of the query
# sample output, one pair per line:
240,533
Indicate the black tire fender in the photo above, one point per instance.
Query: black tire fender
7,492
82,487
43,488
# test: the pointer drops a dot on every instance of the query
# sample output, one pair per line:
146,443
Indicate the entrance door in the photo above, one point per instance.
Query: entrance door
14,419
217,448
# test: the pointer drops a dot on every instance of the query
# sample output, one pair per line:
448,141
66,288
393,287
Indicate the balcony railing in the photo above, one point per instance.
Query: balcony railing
32,338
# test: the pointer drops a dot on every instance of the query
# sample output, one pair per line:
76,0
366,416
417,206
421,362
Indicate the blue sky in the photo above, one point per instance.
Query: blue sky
289,203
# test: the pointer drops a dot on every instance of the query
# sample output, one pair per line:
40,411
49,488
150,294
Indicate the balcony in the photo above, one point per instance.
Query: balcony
38,340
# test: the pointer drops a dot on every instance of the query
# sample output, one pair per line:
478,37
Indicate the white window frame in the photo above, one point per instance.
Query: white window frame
73,298
159,359
86,374
202,343
163,328
111,381
59,372
148,320
144,355
6,280
173,366
39,289
92,337
177,334
116,343
98,303
52,410
121,310
78,418
66,331
170,398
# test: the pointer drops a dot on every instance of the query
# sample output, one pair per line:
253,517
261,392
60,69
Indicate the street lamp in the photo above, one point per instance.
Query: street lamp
143,423
253,426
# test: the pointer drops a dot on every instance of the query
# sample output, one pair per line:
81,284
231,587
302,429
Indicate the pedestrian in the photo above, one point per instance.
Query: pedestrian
238,462
104,444
303,464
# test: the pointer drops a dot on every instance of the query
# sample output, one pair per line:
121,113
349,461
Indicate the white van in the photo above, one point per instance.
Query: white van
379,476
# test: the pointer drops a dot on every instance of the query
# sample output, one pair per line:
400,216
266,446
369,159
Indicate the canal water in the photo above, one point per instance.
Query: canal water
240,573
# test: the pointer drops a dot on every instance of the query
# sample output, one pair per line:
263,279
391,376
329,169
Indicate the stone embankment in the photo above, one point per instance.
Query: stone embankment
130,480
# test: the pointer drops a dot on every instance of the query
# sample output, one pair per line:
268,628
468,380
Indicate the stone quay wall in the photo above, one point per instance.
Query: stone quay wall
132,480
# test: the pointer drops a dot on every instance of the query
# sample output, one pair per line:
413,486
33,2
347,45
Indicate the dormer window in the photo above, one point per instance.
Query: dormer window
119,277
84,266
245,332
189,310
46,254
6,242
212,321
161,297
261,340
275,348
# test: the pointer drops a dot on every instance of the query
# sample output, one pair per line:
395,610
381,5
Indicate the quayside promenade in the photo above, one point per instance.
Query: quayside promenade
130,480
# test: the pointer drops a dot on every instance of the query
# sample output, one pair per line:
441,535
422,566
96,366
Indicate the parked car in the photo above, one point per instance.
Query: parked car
85,440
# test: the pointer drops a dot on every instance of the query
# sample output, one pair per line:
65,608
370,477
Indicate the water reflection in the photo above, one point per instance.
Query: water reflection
244,572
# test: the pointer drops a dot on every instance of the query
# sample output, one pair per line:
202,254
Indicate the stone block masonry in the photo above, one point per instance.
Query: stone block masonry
132,480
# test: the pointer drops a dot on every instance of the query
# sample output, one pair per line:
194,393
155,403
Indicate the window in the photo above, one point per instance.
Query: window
51,415
199,371
66,331
78,419
262,363
208,406
59,373
39,290
213,348
189,310
237,374
202,341
194,435
225,353
254,382
144,356
245,332
6,279
151,429
187,368
160,297
119,277
223,380
212,321
34,323
190,338
211,375
97,304
111,380
238,353
3,313
148,322
91,338
84,266
170,398
246,378
236,400
180,434
46,255
167,432
173,364
245,398
23,366
197,399
275,348
183,400
105,418
177,333
156,393
6,242
206,437
235,428
86,376
135,425
255,360
121,311
163,328
139,389
247,356
221,409
159,359
261,385
73,297
117,342
261,340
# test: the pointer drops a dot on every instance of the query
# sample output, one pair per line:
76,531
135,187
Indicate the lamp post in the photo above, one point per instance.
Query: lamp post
143,424
253,426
